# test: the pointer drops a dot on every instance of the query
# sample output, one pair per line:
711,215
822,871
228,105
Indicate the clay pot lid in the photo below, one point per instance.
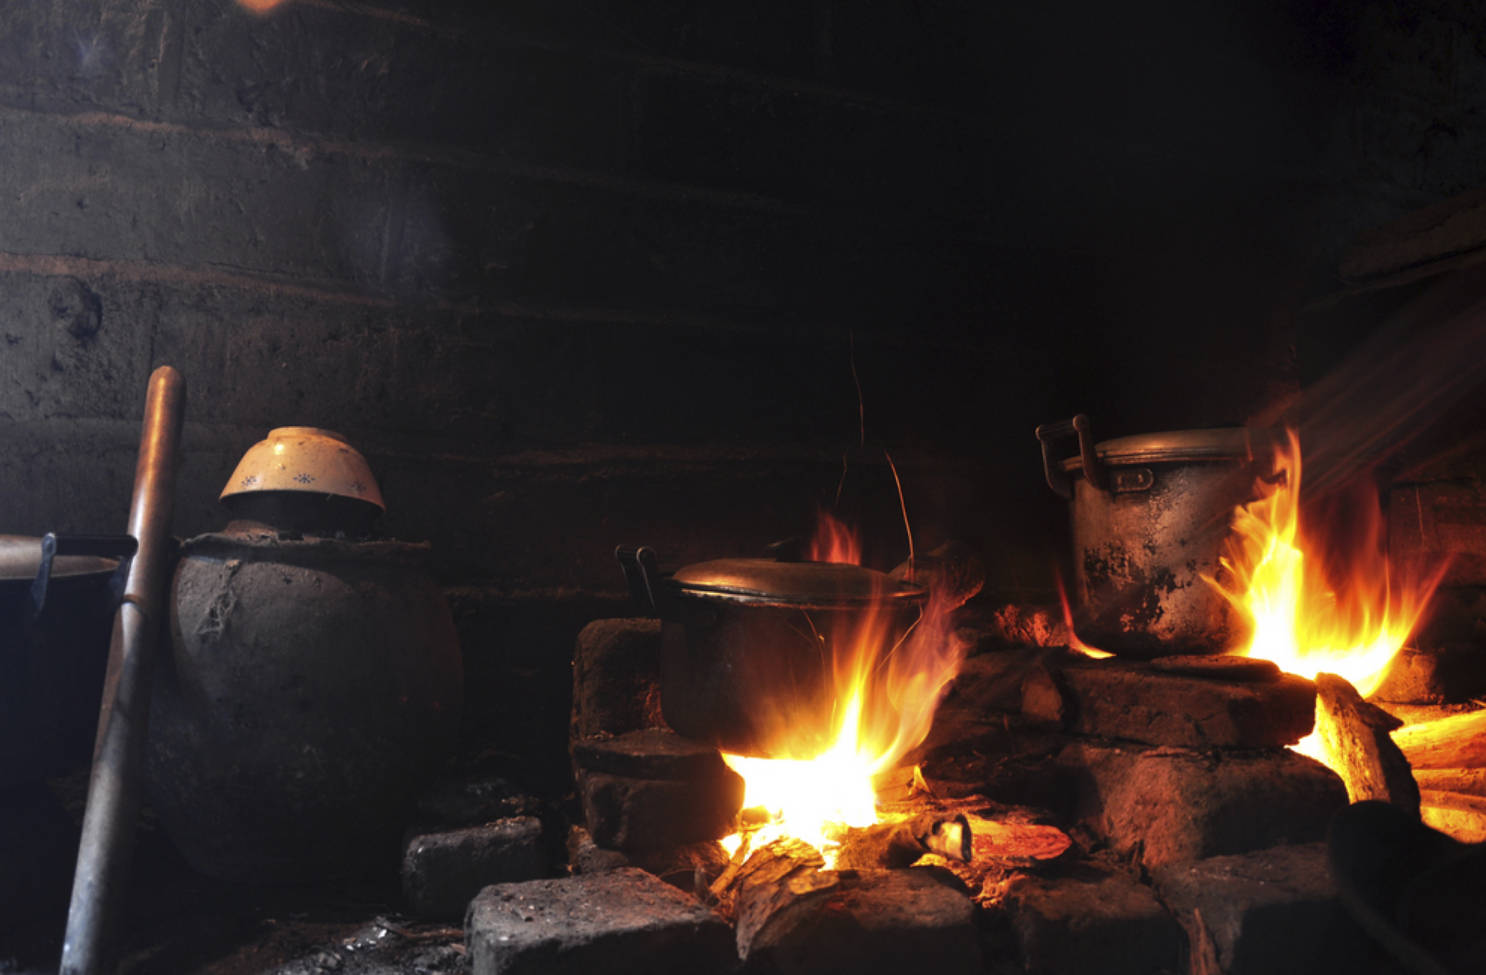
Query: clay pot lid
304,460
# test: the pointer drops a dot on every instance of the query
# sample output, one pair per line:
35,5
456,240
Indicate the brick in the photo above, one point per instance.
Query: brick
442,871
1107,923
1429,524
866,921
1120,699
1170,805
1270,912
645,814
616,677
623,922
650,753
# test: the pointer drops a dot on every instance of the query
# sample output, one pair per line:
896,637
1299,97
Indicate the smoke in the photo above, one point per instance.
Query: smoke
1390,393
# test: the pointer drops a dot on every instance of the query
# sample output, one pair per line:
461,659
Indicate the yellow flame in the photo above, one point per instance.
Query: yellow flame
886,686
1308,621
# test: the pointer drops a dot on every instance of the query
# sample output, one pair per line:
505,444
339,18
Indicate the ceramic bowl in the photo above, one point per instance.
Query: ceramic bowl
305,459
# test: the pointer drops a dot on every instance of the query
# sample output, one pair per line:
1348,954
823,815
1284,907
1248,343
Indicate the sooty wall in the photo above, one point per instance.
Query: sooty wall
581,272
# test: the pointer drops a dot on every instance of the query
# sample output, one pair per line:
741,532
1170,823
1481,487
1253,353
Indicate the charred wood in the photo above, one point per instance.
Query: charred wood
900,844
1355,736
1458,741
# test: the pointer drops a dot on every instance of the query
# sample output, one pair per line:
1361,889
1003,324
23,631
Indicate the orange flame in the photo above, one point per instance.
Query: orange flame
834,542
1309,617
886,686
1074,643
259,6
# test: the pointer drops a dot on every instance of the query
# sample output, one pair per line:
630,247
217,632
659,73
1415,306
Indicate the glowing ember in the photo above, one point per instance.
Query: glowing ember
259,6
886,685
1309,621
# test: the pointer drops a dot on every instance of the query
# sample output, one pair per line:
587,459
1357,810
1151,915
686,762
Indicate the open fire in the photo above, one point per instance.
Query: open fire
1307,616
886,688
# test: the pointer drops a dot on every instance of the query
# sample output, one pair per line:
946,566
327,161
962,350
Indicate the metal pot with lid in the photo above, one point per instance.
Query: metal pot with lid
747,645
1149,516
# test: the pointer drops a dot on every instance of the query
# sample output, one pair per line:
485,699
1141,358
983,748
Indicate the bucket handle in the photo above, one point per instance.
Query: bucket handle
1057,478
121,547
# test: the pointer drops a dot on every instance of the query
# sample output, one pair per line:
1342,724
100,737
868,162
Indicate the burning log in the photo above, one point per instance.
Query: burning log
1354,735
770,865
1460,816
1458,741
900,844
1467,781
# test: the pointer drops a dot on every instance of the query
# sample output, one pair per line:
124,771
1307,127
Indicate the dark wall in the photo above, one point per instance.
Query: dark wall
576,272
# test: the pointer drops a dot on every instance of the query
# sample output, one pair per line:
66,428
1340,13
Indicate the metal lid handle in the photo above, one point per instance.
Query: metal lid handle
1057,479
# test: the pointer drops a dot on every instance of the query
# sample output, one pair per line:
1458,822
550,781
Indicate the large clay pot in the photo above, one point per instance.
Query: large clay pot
311,687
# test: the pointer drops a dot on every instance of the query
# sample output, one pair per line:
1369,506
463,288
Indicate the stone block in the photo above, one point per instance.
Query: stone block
442,871
646,814
1269,912
869,921
1185,707
1171,805
620,922
1106,923
653,789
616,677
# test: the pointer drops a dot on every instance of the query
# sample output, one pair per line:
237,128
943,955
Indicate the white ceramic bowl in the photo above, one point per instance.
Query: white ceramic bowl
305,459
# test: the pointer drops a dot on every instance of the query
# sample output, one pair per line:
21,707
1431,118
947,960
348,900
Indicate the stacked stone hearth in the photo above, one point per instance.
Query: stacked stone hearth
1196,834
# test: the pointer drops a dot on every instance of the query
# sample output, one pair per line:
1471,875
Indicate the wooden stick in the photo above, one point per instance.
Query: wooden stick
896,845
1460,816
1458,741
1468,781
113,790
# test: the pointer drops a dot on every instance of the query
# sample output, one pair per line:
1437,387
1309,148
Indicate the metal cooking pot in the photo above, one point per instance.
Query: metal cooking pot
747,645
1149,517
57,600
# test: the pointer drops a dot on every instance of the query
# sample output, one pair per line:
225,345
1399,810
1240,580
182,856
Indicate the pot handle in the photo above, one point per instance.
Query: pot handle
121,547
1057,479
642,573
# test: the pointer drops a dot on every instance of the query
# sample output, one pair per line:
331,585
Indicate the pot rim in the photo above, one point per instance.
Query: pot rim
1184,446
799,585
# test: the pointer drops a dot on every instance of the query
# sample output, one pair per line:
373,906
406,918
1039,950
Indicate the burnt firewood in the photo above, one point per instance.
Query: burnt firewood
1458,741
900,844
1466,781
773,864
1460,816
1355,736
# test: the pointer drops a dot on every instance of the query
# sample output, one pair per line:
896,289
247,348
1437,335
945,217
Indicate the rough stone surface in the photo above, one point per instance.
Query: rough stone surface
1170,805
1133,701
442,871
616,677
1106,923
1270,912
586,856
621,922
888,921
646,814
653,753
470,800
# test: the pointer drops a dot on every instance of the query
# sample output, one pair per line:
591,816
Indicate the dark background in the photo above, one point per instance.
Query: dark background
577,273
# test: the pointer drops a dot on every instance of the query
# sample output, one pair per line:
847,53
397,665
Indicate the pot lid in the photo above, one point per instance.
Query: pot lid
817,584
20,557
1175,446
